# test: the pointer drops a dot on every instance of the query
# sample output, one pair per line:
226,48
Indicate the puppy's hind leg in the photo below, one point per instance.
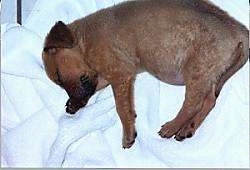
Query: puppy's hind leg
198,86
191,126
196,92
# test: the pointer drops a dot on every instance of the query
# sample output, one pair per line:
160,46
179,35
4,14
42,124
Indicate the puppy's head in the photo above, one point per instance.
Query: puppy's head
64,65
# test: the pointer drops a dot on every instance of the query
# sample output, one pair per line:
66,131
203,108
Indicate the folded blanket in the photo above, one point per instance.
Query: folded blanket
36,131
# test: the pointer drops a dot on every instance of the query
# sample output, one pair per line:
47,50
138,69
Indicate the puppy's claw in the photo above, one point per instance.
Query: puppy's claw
179,138
126,146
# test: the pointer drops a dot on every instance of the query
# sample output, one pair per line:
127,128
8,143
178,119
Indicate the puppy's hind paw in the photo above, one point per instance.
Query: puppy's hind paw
168,129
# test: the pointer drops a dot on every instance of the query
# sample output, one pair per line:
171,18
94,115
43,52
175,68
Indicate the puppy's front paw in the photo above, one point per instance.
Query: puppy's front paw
186,131
128,141
169,129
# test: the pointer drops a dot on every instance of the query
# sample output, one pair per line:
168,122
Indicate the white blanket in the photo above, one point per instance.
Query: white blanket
36,132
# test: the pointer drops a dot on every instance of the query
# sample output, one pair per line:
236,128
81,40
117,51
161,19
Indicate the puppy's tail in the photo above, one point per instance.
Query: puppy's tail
240,56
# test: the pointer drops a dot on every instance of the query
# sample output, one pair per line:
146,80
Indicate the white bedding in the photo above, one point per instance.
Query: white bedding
36,132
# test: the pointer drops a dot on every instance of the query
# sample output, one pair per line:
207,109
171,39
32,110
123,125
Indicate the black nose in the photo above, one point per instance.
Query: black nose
69,107
73,105
70,110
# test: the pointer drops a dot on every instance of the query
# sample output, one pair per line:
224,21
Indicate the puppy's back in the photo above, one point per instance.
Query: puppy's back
146,24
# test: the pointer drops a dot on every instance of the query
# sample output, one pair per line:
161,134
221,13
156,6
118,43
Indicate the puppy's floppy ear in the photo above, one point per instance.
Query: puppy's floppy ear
60,36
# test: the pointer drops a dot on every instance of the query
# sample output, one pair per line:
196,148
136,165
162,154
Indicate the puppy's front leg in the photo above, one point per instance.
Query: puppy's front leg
124,98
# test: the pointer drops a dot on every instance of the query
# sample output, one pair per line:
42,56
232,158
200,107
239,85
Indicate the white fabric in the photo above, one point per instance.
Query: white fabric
36,132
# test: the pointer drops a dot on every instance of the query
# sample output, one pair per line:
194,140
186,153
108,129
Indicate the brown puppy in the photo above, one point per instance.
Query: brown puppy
181,42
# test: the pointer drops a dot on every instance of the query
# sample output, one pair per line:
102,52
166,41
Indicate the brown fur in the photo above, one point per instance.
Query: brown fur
181,42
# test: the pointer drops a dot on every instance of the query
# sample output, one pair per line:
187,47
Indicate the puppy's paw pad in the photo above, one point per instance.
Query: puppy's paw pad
187,131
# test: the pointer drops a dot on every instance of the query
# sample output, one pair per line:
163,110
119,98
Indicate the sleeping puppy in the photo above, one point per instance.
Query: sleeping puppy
181,42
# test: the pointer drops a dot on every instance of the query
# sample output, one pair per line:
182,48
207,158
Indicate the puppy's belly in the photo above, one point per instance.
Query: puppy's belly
166,69
171,78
